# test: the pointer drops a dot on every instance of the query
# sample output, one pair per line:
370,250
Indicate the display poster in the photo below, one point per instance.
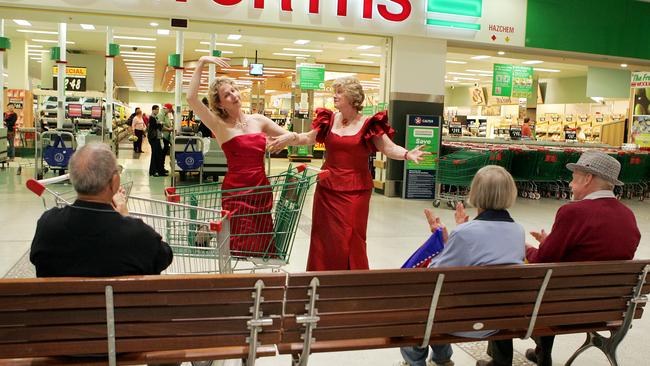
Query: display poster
311,76
477,95
522,81
74,110
75,78
420,179
502,80
640,131
96,112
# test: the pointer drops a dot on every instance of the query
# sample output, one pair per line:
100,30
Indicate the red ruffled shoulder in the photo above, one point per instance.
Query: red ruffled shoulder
323,123
377,125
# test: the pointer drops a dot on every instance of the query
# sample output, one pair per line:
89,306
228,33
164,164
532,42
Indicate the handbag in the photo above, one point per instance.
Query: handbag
422,257
189,160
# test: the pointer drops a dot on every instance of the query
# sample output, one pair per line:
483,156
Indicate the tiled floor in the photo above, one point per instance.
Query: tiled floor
396,228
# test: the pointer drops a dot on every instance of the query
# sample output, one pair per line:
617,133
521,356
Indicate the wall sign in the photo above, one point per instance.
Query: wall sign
502,80
522,81
311,76
75,78
420,179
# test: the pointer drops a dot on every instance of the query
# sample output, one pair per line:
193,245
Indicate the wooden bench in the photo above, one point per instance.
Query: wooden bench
340,311
137,320
154,319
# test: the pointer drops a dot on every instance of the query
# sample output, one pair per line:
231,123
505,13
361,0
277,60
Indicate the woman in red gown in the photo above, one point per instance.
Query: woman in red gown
243,140
341,202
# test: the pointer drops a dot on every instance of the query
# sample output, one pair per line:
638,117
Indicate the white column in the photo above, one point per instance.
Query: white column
179,84
60,82
108,112
18,61
2,71
212,68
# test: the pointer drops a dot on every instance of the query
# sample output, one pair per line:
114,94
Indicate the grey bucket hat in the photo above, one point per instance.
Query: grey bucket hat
600,164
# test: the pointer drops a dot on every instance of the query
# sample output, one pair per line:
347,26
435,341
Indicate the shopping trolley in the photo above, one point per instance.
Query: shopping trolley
455,174
198,236
264,219
634,167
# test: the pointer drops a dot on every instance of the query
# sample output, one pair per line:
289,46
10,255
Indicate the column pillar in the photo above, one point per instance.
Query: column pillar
17,62
417,86
60,80
212,68
110,63
2,71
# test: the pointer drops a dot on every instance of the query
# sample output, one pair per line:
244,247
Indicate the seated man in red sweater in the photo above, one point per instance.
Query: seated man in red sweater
583,230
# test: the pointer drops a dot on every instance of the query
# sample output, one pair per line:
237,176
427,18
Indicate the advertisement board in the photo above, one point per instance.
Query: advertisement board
420,179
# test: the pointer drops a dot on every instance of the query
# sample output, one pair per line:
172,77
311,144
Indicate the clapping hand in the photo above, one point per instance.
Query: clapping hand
417,155
460,216
119,202
221,61
435,224
539,236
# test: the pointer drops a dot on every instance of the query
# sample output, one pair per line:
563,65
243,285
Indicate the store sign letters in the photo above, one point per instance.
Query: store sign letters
341,8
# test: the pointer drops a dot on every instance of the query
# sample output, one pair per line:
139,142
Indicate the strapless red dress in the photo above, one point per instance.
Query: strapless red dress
341,202
251,223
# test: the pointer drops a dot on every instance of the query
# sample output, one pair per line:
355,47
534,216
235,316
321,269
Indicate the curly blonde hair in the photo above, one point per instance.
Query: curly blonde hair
351,88
213,95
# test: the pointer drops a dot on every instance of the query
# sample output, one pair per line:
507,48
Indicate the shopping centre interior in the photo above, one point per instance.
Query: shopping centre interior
575,102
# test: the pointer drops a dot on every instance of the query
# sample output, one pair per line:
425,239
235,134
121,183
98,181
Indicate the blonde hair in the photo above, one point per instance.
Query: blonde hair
492,189
213,95
351,88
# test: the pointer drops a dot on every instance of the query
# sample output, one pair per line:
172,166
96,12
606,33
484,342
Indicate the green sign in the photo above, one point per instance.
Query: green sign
522,82
311,76
420,179
454,13
502,80
429,137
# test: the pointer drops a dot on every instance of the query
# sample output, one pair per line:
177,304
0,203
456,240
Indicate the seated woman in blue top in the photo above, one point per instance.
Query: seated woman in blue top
492,238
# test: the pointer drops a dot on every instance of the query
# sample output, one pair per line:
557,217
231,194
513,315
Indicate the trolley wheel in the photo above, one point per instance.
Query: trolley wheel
538,196
451,204
524,194
564,195
436,203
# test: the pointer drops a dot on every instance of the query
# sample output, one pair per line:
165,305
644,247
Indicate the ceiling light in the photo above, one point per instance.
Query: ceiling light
234,37
135,38
532,62
545,70
137,53
371,55
341,38
140,56
501,53
272,72
36,31
208,51
623,65
278,69
480,57
351,60
223,44
138,46
128,61
153,24
140,68
461,73
36,58
290,54
483,71
365,47
469,79
163,32
87,26
376,79
302,41
302,50
250,78
49,41
22,22
34,46
456,62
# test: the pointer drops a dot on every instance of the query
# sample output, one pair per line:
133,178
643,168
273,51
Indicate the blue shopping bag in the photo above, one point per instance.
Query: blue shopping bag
57,154
189,158
425,253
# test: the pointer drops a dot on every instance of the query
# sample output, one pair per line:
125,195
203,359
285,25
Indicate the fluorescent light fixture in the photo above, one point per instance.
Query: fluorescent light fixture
234,37
277,69
351,60
371,55
376,79
272,72
468,79
87,26
49,41
141,56
532,62
501,53
331,75
140,68
545,70
138,46
250,78
36,58
137,53
208,51
461,73
598,100
163,32
34,46
483,71
623,65
135,38
290,54
22,22
302,41
133,63
480,57
36,31
302,50
456,62
365,47
153,24
341,38
223,44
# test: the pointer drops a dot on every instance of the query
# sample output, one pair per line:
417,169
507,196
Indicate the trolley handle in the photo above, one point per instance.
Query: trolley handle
322,173
39,186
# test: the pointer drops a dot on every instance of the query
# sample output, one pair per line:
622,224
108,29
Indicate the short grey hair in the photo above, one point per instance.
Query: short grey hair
493,189
91,168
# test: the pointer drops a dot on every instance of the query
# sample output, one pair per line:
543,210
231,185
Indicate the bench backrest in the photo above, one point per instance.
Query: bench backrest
397,303
63,316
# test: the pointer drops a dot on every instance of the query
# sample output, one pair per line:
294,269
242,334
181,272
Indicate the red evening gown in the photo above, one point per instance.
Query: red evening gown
251,223
340,213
